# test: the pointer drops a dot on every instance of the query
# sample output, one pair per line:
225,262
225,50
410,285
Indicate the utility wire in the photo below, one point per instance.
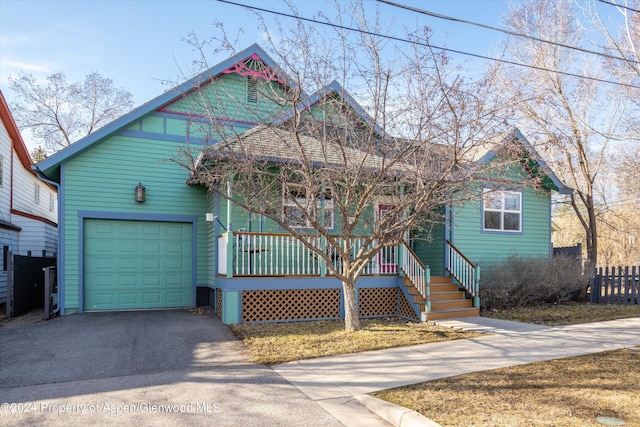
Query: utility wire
444,49
619,5
502,30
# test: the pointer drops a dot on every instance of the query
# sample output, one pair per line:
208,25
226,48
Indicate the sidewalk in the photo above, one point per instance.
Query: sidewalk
340,383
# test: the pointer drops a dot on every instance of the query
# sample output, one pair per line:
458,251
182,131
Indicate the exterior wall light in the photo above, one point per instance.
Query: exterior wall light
140,193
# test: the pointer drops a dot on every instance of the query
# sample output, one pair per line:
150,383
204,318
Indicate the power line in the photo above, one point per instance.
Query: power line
619,5
502,30
444,49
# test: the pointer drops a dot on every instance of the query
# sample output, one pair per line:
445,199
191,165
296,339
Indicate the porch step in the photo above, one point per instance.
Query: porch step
453,313
453,304
443,296
447,300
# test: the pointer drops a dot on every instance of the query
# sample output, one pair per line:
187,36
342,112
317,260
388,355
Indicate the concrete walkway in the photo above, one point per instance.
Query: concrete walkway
339,383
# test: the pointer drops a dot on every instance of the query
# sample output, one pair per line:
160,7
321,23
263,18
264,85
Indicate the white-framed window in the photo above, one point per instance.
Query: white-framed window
296,206
36,194
502,210
52,202
1,171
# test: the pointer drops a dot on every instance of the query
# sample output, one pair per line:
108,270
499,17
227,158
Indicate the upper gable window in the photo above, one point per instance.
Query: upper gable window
252,89
502,210
36,194
1,171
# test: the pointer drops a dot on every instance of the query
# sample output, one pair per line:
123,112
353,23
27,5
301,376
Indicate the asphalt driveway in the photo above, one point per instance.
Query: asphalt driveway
145,368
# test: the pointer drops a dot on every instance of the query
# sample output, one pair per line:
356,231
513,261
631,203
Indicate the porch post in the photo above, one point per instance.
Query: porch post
427,288
230,237
323,241
476,287
400,248
321,262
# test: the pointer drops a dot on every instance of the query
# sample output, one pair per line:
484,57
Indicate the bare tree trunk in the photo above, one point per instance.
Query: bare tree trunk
351,319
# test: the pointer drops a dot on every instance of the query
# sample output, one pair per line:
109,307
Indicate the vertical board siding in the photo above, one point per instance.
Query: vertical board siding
104,178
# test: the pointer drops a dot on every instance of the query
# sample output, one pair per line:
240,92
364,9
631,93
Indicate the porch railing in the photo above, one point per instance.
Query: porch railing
417,273
466,273
270,254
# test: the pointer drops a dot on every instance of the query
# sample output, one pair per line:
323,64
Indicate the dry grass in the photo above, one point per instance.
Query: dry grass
566,314
561,393
273,343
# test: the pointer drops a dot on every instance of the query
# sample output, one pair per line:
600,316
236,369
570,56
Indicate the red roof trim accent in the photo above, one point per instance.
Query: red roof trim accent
36,217
239,68
17,142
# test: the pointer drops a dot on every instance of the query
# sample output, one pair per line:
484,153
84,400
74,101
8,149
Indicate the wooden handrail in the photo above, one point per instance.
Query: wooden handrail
461,254
420,263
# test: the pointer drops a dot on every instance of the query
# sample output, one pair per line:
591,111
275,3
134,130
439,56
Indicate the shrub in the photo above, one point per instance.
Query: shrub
521,282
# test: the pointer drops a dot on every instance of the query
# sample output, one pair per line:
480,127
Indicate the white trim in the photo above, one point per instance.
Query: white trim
501,196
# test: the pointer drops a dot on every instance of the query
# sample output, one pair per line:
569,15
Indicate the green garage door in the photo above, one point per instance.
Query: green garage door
136,264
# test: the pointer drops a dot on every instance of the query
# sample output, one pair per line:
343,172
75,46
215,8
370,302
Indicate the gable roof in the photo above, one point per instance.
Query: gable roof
16,139
333,88
273,144
50,166
485,151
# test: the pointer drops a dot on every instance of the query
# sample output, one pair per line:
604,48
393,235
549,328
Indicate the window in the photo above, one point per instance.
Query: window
296,207
502,210
52,202
36,194
1,171
252,90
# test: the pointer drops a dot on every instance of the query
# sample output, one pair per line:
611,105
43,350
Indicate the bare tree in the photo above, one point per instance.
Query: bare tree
38,154
59,112
620,27
574,120
322,167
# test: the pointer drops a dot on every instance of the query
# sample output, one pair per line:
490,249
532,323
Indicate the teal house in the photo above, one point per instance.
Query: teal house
135,233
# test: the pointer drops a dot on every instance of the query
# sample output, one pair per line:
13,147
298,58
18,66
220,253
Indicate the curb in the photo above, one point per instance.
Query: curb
397,415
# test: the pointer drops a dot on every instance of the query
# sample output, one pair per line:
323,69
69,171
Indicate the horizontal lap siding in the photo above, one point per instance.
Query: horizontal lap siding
489,247
104,178
430,249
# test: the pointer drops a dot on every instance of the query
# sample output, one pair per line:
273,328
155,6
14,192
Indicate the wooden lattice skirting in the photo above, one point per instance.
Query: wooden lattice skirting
290,304
311,304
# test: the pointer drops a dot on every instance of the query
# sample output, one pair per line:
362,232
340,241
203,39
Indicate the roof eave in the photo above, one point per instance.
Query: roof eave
50,165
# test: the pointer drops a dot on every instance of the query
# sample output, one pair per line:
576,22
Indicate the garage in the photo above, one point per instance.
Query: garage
137,264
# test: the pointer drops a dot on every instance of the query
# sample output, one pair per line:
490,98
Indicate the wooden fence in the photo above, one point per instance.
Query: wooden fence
615,286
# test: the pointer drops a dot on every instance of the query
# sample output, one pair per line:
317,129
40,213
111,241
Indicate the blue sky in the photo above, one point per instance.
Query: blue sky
139,43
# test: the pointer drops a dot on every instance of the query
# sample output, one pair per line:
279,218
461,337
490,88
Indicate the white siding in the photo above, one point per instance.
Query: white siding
35,237
7,238
36,234
5,188
23,193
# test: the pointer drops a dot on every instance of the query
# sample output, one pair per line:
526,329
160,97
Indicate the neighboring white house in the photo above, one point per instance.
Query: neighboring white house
28,206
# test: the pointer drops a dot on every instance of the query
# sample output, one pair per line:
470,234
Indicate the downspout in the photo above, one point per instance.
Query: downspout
61,304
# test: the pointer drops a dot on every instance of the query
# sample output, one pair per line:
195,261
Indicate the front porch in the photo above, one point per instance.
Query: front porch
268,277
